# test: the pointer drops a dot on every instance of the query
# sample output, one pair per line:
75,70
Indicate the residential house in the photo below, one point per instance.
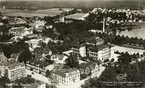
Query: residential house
66,76
89,68
33,43
38,52
42,52
84,69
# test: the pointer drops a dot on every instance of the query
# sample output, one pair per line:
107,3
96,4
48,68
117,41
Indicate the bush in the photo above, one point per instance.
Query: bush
112,60
106,60
83,76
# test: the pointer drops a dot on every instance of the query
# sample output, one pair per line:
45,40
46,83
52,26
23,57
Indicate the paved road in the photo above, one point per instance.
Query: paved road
38,76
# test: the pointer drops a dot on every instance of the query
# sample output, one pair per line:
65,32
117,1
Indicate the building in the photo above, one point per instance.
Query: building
79,49
97,50
42,52
16,71
17,21
100,52
12,69
36,68
89,68
66,76
95,41
20,32
17,30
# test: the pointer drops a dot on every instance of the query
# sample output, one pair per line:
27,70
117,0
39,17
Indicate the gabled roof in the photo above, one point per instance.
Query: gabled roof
90,64
83,65
46,50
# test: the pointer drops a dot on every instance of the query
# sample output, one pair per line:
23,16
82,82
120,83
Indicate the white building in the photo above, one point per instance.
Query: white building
66,76
100,52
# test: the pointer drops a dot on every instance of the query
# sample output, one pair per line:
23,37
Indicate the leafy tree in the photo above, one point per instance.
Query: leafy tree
72,61
25,80
48,73
25,56
51,86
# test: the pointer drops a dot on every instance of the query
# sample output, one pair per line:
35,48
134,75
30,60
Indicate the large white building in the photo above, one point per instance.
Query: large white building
94,48
100,52
66,76
11,69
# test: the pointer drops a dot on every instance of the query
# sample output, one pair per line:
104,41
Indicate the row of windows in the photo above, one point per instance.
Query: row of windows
67,80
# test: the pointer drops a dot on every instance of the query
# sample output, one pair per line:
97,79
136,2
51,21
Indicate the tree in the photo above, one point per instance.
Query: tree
50,86
72,61
25,56
48,73
25,80
93,83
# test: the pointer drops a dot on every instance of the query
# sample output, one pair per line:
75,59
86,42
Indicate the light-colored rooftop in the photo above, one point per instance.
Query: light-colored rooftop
78,16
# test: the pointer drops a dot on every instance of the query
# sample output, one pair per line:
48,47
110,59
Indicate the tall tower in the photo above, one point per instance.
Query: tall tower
104,23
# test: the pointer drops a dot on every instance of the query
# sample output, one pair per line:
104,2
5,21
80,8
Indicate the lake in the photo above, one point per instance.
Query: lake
139,33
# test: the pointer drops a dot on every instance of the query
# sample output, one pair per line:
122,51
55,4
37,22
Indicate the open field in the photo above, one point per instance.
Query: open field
129,50
25,13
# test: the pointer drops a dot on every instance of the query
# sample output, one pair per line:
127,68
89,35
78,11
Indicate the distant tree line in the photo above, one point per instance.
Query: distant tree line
121,40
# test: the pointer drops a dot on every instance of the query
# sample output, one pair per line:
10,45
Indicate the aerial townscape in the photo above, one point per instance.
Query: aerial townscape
72,44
